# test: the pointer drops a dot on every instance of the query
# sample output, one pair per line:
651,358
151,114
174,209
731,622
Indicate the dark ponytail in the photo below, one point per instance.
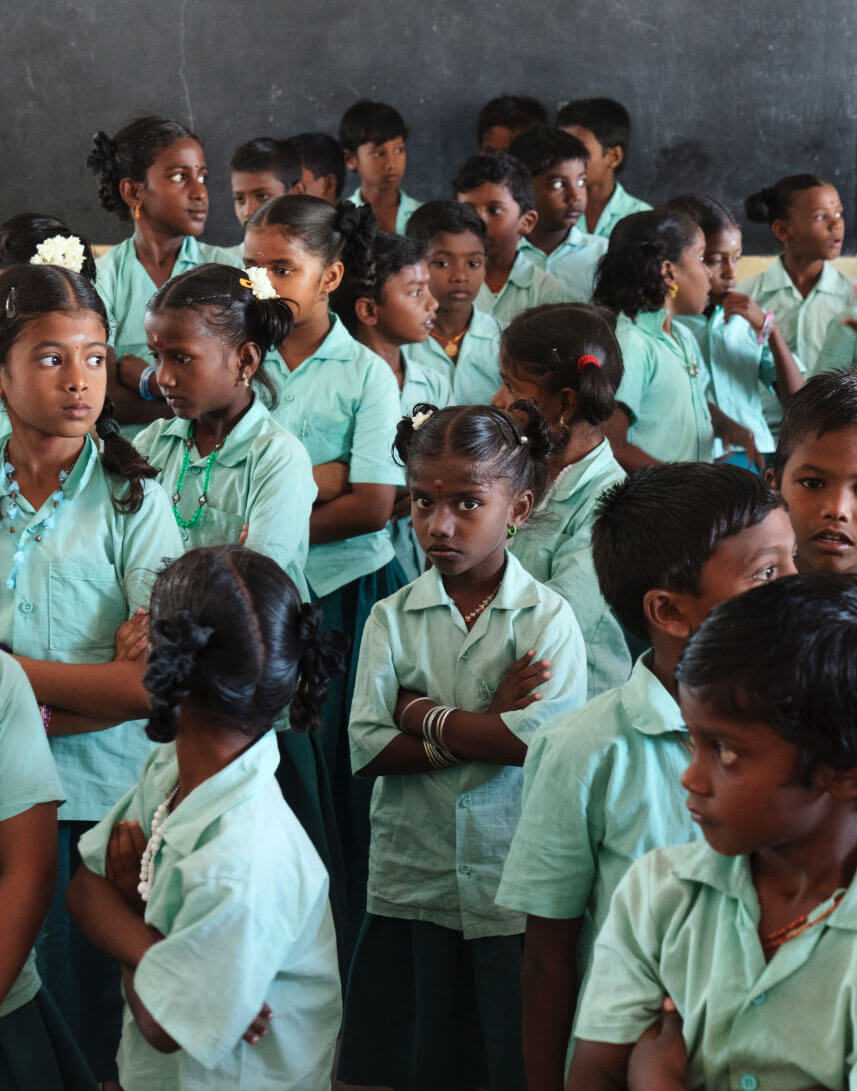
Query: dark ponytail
773,202
709,213
122,459
21,235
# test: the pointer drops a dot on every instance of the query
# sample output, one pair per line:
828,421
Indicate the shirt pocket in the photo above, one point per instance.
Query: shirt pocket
327,438
86,605
216,527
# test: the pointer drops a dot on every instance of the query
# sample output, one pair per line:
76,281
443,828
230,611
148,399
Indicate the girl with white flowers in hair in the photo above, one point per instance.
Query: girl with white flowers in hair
456,672
30,238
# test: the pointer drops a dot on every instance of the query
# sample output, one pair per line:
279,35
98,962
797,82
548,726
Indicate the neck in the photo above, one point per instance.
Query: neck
388,350
203,749
306,337
804,272
156,245
597,196
548,240
383,196
667,652
583,439
211,429
813,867
498,267
469,588
668,321
450,321
39,458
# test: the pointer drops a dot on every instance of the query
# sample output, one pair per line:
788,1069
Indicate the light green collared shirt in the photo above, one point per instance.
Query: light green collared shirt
684,923
28,777
620,205
670,419
407,207
574,262
73,590
260,477
839,349
527,286
439,838
240,896
475,371
556,549
343,405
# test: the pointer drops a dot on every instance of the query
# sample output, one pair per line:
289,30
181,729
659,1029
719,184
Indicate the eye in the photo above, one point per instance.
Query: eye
156,357
51,359
725,754
95,360
476,263
810,482
766,574
469,504
440,263
280,270
178,176
421,502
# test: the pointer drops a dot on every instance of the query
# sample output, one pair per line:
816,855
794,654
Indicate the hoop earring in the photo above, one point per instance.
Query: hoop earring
511,530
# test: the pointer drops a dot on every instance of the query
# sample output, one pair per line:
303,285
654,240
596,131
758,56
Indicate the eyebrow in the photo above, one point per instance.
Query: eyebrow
475,483
452,254
61,345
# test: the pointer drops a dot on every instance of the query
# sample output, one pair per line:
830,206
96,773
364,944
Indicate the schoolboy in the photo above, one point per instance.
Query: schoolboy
259,170
500,188
601,786
557,162
465,342
373,136
604,127
503,118
815,468
322,165
751,933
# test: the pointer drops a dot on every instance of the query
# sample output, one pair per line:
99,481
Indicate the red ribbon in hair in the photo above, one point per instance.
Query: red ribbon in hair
582,361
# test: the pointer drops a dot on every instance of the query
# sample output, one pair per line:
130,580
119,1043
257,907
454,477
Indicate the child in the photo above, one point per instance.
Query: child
154,171
23,238
751,369
36,1048
322,165
230,917
566,360
465,342
433,998
261,169
602,785
603,126
500,188
815,468
84,534
372,136
653,271
801,288
557,162
752,934
503,118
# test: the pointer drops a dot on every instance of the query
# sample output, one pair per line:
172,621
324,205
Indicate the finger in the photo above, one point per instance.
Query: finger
851,323
668,1004
525,660
245,530
525,702
137,838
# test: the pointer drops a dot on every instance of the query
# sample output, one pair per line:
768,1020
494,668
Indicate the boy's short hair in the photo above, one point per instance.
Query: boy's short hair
785,654
368,122
826,403
445,217
266,154
543,146
607,120
321,155
515,112
391,254
501,170
659,527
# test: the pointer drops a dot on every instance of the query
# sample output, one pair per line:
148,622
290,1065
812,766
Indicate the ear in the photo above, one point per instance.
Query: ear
249,358
568,401
350,159
667,273
331,278
522,506
298,187
770,479
663,611
841,784
131,192
528,221
330,188
615,157
780,229
366,310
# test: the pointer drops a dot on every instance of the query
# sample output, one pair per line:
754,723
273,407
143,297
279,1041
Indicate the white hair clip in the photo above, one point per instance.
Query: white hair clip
419,419
259,283
63,250
525,439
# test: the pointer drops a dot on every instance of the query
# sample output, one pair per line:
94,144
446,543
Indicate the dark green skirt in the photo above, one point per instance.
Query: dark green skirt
37,1051
427,1009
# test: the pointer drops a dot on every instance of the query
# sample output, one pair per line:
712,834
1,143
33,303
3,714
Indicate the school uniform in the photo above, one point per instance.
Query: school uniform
241,899
439,839
474,372
664,389
574,262
620,205
555,548
407,207
839,349
526,286
36,1048
684,923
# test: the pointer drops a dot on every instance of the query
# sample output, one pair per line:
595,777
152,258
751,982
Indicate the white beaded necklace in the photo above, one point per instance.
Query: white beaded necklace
147,860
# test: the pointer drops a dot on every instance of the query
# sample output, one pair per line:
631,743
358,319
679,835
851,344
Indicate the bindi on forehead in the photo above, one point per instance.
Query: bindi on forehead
438,488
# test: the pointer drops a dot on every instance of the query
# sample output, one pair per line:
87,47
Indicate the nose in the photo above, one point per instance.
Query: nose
441,523
730,269
693,779
836,505
431,302
501,399
76,377
164,376
198,190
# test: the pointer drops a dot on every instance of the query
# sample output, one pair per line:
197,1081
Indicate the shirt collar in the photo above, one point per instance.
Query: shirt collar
651,322
517,590
649,706
338,345
234,449
80,472
776,279
521,274
578,476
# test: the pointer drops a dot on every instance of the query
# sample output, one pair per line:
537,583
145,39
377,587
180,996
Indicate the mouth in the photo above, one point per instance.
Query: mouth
77,410
697,816
442,551
459,295
835,244
429,325
832,541
198,214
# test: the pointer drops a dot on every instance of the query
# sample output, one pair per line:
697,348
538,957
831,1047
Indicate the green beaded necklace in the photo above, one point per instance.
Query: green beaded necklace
186,524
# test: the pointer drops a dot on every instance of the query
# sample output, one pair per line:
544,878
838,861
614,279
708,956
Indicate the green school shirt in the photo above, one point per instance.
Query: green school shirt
555,548
839,349
240,896
343,404
667,402
738,368
475,371
73,590
574,263
527,286
407,207
28,777
620,205
261,477
684,923
439,838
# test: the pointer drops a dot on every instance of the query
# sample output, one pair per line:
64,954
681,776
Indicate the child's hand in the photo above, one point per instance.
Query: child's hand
332,480
132,637
122,864
736,303
658,1061
402,507
259,1027
737,436
245,530
516,690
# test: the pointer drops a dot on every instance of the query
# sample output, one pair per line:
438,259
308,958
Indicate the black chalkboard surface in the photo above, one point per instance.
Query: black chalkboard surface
725,97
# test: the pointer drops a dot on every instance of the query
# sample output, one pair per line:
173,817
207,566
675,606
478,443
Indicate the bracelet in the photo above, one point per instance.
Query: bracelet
764,333
434,721
46,713
145,393
439,757
407,706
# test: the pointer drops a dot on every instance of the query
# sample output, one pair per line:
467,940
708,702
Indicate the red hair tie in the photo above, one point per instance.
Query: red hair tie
582,361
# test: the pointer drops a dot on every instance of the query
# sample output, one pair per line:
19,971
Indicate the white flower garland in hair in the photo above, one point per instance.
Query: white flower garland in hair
259,283
64,250
419,419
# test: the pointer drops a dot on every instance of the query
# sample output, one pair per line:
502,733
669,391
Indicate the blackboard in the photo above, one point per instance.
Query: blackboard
725,97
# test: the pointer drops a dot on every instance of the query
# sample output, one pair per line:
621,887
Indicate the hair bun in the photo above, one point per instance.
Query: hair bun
358,223
102,158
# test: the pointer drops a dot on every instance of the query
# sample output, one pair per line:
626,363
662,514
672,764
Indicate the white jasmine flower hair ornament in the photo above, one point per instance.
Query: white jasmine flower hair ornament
419,419
63,250
259,283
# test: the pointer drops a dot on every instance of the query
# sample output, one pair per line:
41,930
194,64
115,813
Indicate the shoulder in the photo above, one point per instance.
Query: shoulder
150,437
584,737
220,255
484,325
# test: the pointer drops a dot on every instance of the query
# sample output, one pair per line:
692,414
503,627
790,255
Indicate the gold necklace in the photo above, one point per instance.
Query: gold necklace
483,605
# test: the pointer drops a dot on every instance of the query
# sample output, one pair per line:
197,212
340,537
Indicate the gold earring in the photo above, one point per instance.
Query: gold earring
673,290
244,379
136,212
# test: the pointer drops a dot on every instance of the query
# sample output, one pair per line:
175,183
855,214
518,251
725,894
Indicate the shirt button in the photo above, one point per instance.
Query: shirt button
26,608
760,999
464,801
195,470
749,1083
465,870
290,397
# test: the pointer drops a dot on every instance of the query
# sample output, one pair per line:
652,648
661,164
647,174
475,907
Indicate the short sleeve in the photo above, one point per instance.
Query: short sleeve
376,689
105,285
28,775
377,414
631,391
839,349
150,537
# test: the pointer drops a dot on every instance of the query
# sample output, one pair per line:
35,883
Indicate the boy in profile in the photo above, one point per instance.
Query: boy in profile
259,170
322,165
